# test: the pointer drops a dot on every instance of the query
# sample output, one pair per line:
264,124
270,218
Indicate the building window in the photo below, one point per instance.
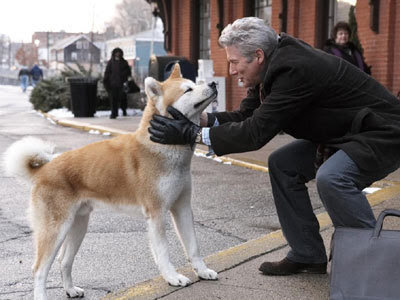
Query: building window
74,56
339,11
82,45
205,24
263,10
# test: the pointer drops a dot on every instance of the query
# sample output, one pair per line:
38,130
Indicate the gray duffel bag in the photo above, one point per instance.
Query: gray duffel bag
366,262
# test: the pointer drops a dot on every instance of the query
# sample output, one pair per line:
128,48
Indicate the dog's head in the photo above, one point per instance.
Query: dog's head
183,94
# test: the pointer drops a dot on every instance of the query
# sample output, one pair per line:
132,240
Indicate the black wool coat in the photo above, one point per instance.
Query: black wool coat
316,96
116,73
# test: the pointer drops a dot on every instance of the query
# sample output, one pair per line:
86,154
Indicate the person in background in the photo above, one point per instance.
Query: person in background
36,75
23,77
341,46
116,74
346,125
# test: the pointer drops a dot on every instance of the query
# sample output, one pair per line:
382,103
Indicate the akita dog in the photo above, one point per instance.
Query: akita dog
129,170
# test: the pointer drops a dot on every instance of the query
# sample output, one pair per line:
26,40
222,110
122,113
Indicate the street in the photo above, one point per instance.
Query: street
231,205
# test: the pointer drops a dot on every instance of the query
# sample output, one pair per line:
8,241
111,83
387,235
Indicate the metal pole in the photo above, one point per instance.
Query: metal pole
48,50
9,52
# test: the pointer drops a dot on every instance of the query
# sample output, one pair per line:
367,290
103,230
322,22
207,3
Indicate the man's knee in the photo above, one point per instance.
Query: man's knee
328,181
273,160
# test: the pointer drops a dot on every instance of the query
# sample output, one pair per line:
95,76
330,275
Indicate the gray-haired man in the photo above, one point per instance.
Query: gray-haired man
347,127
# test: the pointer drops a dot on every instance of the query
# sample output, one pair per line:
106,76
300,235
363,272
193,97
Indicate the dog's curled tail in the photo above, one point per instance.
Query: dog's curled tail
24,157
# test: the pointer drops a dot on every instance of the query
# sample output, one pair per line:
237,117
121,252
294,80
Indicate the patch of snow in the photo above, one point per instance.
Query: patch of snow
370,190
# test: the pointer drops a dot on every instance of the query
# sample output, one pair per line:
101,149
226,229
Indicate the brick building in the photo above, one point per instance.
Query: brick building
192,28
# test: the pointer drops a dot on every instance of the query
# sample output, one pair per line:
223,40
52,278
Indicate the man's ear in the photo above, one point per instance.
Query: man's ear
260,56
152,87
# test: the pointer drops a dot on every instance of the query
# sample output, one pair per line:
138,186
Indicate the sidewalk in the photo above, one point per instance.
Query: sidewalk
238,266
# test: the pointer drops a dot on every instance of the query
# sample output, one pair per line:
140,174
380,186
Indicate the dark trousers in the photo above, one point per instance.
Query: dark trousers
118,98
339,182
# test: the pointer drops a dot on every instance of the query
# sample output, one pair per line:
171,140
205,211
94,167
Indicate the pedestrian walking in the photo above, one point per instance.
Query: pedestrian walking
23,77
36,75
346,125
116,74
340,45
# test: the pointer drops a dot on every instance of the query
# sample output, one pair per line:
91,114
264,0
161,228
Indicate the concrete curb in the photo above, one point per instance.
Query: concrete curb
84,126
115,132
234,256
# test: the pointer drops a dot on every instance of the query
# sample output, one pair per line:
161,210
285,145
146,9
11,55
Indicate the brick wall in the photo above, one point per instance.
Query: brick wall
396,51
380,49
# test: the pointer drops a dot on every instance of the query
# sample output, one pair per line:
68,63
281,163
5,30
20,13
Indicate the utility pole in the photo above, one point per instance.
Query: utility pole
48,50
9,52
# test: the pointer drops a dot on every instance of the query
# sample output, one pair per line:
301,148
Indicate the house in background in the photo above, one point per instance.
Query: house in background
45,40
192,29
138,48
75,49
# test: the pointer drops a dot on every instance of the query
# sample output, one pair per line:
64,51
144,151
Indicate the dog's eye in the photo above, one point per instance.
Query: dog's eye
188,90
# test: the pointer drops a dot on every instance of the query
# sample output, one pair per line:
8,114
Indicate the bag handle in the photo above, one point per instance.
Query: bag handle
383,215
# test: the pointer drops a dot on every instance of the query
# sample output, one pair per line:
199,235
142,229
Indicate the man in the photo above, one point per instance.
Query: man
23,77
347,127
116,74
36,74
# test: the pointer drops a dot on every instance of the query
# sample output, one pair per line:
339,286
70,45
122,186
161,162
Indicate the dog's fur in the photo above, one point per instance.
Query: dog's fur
129,170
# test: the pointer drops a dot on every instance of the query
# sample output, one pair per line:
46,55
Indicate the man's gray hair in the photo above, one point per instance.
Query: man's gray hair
249,34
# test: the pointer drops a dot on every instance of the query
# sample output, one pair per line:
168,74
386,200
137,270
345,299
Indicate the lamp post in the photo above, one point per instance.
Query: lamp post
37,43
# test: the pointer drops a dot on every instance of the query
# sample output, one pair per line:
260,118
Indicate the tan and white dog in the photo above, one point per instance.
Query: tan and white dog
126,171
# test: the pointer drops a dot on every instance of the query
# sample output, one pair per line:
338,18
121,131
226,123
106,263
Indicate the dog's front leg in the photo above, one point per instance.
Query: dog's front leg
159,247
183,219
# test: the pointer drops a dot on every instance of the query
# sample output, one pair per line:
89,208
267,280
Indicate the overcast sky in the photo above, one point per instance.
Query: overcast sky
19,19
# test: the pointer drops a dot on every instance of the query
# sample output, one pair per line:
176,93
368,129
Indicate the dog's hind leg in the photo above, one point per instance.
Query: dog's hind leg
159,247
183,219
49,236
70,247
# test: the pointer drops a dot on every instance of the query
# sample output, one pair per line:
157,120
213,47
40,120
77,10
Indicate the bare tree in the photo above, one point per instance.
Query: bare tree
133,16
27,55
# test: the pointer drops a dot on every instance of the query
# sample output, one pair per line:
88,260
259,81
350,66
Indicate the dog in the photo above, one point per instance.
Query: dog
127,171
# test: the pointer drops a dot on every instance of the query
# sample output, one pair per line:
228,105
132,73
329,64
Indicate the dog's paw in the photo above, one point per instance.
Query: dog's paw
208,274
178,280
75,292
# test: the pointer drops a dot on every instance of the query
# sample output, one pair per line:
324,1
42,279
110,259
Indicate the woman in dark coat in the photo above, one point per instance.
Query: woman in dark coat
116,74
347,127
341,46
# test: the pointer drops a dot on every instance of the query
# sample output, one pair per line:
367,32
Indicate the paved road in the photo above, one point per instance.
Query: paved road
231,205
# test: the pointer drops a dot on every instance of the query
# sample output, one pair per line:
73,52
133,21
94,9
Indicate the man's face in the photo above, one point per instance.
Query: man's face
247,72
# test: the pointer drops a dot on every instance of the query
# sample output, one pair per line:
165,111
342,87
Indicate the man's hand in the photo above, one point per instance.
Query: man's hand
179,130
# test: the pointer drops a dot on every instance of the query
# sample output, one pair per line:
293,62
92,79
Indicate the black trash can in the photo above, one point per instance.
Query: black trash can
161,66
83,96
188,70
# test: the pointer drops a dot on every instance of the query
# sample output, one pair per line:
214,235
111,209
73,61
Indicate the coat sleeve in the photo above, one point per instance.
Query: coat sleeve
127,71
290,94
247,107
106,78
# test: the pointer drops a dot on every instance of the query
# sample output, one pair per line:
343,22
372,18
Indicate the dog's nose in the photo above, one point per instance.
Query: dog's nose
212,85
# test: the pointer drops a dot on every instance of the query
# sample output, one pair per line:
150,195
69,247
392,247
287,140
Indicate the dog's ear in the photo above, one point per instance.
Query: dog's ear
152,87
176,72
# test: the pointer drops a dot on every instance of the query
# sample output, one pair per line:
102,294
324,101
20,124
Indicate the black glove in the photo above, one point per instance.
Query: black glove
179,130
